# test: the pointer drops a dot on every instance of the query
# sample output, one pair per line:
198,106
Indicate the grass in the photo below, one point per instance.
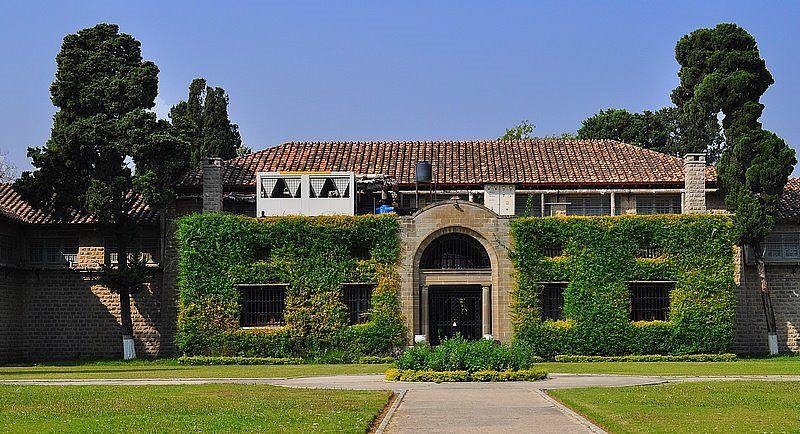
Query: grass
169,368
722,406
782,365
193,408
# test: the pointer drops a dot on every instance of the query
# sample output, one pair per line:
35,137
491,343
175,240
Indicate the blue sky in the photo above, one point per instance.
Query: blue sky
396,70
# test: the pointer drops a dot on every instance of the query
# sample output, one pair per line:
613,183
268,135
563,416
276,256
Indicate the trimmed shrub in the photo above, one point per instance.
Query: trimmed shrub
458,354
462,376
727,357
376,360
600,255
313,256
219,360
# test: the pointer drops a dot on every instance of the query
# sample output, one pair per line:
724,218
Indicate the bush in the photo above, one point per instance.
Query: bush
313,256
375,360
458,354
727,357
206,360
462,376
600,257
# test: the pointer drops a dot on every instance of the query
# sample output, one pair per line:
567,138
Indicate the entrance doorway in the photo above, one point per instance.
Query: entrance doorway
455,310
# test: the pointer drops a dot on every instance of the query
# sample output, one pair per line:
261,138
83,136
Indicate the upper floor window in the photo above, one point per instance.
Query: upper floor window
528,205
781,247
658,204
552,300
284,187
262,305
357,297
54,251
589,205
649,300
330,186
146,249
455,251
6,249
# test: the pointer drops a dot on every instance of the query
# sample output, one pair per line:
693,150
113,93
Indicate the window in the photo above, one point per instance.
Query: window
780,247
330,186
553,250
286,187
6,249
648,251
54,251
552,300
658,204
455,251
148,249
528,205
262,305
650,300
357,297
589,205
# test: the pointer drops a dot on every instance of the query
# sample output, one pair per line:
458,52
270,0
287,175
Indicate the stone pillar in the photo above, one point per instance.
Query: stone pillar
486,313
424,312
212,184
694,198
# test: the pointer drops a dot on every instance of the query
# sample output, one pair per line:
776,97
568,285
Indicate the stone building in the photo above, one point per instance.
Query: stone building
454,235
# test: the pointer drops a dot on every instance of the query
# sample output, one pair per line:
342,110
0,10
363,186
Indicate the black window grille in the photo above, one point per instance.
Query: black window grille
552,301
589,205
650,300
658,204
262,305
360,249
148,250
528,205
357,297
54,251
455,251
553,250
648,251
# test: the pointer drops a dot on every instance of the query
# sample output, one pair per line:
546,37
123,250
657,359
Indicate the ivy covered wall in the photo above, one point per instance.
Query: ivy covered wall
313,256
599,255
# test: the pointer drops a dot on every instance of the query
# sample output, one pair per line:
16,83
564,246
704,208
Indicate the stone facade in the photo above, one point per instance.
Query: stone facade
694,199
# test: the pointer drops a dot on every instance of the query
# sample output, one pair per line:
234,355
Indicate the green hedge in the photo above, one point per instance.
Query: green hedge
458,354
599,257
725,357
313,255
463,376
223,360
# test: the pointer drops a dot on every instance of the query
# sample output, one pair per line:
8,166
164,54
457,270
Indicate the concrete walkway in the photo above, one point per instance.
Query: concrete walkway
450,407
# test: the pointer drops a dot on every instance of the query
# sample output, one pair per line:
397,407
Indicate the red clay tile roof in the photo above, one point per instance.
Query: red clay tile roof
545,163
13,207
789,208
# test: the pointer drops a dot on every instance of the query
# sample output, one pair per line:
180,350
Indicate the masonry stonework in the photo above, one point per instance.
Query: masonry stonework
694,199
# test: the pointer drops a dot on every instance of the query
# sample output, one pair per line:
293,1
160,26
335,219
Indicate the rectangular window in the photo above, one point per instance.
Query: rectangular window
781,247
589,205
148,249
54,251
648,251
357,297
262,305
658,204
552,300
528,205
650,300
6,249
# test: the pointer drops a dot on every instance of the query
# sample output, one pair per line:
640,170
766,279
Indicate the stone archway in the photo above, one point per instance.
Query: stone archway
478,273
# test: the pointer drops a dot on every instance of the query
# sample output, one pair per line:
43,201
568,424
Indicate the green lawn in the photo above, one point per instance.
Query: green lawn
723,406
169,368
782,365
195,408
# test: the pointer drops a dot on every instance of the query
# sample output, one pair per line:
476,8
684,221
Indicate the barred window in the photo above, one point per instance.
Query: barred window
650,300
552,300
455,251
781,247
53,251
262,305
6,248
648,251
553,250
658,204
528,205
357,297
148,249
589,205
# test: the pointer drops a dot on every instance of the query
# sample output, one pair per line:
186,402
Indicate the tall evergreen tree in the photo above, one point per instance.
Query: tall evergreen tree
722,72
104,92
202,120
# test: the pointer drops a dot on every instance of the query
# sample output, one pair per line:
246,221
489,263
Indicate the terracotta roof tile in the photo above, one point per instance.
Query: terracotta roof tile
789,207
545,162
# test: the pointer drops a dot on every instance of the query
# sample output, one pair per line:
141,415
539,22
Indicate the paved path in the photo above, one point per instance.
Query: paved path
450,407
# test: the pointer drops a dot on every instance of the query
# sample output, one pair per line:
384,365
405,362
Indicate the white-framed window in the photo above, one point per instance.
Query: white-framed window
53,251
589,205
148,249
280,187
329,186
658,204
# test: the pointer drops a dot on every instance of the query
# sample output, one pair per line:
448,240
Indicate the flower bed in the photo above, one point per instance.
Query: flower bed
464,376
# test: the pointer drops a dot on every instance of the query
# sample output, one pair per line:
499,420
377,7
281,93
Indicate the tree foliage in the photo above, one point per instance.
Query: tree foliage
657,130
103,129
202,120
522,131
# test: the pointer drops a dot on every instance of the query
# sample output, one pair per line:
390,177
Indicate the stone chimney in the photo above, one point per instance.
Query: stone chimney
212,184
694,197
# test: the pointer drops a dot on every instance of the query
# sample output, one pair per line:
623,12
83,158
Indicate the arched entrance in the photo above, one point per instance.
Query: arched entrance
455,287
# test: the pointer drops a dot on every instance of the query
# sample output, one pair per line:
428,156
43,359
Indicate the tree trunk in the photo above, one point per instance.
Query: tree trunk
128,349
766,301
